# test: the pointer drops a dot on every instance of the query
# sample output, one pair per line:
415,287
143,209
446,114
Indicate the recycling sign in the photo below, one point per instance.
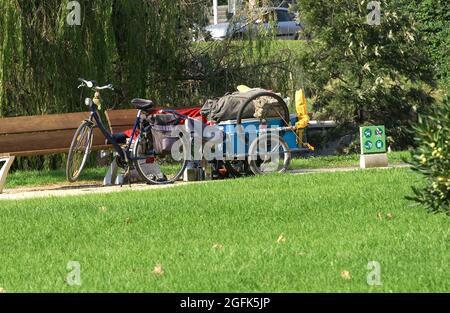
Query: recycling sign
373,139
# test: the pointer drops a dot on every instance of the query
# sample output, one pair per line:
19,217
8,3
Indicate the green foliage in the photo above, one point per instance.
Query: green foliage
433,17
431,158
219,67
363,74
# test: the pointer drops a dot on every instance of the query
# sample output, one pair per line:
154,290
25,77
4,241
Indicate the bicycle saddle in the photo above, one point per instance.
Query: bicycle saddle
142,104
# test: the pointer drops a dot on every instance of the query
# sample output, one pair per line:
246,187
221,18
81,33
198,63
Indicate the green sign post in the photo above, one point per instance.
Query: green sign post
373,139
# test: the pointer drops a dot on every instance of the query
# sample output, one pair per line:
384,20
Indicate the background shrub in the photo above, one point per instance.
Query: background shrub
433,18
431,158
367,74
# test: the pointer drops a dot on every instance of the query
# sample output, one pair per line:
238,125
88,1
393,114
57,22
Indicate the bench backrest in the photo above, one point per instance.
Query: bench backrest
121,120
40,135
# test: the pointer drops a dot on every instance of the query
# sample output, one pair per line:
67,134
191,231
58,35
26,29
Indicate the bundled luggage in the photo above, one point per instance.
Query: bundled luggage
227,107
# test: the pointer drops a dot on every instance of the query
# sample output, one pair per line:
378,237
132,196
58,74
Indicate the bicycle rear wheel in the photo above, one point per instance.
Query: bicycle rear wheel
159,169
79,151
269,153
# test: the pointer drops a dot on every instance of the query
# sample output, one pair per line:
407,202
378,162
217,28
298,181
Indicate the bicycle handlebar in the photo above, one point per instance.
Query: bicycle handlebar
110,87
93,85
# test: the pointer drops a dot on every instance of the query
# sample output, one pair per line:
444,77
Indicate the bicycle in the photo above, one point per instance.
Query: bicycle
135,153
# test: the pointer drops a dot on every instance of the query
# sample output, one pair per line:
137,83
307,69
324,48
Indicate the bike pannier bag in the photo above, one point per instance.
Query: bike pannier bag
163,138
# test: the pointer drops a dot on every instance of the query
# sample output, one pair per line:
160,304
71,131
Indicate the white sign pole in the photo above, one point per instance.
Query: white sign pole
215,12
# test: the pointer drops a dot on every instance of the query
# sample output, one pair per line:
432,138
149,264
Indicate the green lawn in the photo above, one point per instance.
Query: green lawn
95,175
351,160
45,178
222,237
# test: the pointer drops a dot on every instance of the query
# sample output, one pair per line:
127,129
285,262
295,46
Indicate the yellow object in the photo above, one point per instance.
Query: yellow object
97,100
308,146
243,88
301,107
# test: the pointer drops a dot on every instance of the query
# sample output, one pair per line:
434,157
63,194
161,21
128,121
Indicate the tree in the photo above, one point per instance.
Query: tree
366,74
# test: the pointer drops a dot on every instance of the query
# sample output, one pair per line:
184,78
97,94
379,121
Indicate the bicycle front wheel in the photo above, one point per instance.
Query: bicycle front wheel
79,151
159,169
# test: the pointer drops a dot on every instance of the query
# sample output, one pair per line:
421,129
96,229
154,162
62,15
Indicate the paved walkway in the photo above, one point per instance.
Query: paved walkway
78,190
67,190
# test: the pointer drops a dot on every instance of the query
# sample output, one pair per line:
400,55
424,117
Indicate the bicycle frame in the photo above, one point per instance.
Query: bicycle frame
124,154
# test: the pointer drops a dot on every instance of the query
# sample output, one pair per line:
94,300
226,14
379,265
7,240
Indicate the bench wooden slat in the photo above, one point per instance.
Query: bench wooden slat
38,143
120,129
121,117
41,123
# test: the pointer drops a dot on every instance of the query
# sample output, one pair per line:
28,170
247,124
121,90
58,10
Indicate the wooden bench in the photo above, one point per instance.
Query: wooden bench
40,135
51,134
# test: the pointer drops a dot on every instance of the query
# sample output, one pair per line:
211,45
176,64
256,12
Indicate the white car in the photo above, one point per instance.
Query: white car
286,25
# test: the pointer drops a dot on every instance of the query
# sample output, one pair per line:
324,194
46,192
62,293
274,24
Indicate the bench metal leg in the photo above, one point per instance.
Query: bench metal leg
4,170
111,177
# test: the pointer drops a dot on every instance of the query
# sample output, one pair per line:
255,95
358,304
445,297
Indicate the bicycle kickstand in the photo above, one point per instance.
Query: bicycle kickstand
126,175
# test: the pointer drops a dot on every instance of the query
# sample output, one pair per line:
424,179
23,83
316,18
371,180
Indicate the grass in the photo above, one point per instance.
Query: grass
298,46
95,175
44,178
351,160
223,237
